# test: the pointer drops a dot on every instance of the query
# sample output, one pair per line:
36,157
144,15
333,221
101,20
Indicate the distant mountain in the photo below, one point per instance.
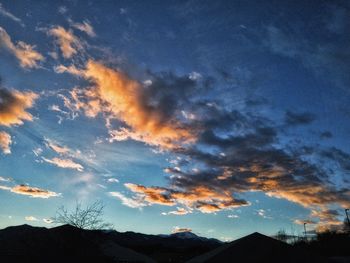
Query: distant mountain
69,244
191,235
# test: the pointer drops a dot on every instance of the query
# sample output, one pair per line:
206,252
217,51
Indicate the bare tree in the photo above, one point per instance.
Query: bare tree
89,217
282,235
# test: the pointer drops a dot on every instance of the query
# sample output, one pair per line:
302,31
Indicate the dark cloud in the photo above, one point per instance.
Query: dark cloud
293,118
232,151
338,156
326,135
14,105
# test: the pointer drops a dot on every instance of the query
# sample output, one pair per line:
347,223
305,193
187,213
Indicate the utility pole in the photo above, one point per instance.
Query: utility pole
305,231
347,217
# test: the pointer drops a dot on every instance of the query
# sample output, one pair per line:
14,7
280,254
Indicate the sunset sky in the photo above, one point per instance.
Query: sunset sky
223,117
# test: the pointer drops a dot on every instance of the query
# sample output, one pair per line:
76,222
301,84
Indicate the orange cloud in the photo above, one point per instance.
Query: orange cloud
5,142
177,229
201,198
27,56
67,41
154,195
30,191
119,97
64,163
14,105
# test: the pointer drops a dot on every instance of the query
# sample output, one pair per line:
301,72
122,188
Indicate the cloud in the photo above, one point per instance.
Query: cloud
48,220
30,191
179,211
154,195
64,163
293,118
245,159
177,229
326,135
57,148
148,116
130,202
112,180
67,41
3,179
86,27
302,222
25,53
9,15
233,216
225,152
203,199
30,218
14,105
5,142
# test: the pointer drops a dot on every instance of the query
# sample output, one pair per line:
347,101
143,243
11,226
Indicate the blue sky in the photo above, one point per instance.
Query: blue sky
225,118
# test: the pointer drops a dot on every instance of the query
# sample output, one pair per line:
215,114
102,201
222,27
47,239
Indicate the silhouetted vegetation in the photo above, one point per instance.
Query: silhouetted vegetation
89,217
330,244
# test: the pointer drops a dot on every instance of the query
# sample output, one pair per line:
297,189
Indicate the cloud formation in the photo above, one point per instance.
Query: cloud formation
119,97
14,105
56,148
26,54
30,191
67,41
64,163
9,15
5,142
85,27
30,218
178,229
130,202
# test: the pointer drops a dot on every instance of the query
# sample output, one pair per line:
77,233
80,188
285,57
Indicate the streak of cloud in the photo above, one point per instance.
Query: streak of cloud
26,54
30,191
67,41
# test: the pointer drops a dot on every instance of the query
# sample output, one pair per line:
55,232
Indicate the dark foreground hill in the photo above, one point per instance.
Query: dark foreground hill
258,248
69,244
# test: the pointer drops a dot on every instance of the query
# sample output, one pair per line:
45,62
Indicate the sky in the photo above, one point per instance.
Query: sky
220,117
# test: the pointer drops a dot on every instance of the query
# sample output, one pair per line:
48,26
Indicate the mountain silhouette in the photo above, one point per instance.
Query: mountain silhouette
66,243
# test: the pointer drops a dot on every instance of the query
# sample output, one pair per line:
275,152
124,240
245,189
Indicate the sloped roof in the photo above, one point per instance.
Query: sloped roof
257,248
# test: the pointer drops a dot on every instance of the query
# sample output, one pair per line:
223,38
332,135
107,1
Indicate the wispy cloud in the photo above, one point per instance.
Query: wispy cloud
9,15
30,218
64,163
130,202
67,41
26,54
57,148
85,27
5,142
112,180
29,191
179,211
3,179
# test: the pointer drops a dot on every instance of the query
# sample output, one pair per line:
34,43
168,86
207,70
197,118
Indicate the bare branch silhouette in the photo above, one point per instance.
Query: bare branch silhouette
89,217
